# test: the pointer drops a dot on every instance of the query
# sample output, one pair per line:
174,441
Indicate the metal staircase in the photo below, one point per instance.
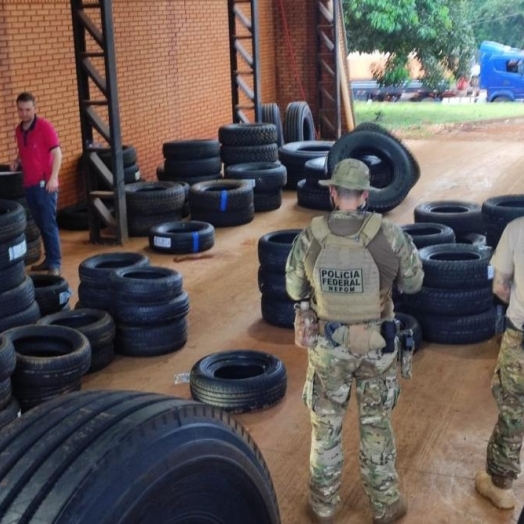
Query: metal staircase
100,119
244,51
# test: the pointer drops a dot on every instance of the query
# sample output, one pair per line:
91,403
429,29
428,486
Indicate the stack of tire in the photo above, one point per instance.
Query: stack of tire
152,203
50,361
464,218
294,156
273,250
9,407
129,158
455,304
395,170
497,212
12,188
268,177
94,273
222,203
52,292
97,325
190,161
17,293
310,194
150,308
244,143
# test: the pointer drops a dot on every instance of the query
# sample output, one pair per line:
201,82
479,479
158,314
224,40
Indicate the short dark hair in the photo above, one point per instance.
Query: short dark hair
344,192
26,97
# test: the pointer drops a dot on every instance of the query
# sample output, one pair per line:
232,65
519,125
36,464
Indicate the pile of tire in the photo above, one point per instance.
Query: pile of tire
17,293
463,217
395,170
52,292
244,143
50,361
310,194
294,156
186,237
152,203
130,161
239,381
268,178
97,325
497,212
455,304
273,250
222,203
190,161
119,456
94,273
9,407
12,188
150,310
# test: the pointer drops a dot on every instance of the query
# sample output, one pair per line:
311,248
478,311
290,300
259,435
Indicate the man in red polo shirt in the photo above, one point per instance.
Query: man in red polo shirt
40,157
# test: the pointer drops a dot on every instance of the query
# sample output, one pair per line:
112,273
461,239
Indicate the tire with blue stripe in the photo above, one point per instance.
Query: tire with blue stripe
182,237
221,195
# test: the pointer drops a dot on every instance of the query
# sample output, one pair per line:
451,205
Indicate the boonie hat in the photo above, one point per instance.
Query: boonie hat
349,173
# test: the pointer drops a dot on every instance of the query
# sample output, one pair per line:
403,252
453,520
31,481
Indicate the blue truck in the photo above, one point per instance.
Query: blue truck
501,72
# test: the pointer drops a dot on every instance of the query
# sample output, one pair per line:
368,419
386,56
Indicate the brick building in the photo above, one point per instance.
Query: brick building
173,71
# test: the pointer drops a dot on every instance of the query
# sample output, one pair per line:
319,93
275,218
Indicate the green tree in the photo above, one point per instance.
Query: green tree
498,20
436,32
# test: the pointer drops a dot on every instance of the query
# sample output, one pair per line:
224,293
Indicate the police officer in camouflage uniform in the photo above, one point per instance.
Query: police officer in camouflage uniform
503,455
346,264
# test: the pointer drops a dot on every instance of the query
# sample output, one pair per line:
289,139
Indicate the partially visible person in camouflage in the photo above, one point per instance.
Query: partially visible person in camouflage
346,265
503,454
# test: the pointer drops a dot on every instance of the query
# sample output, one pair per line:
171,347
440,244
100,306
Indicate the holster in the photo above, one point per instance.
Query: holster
388,331
407,347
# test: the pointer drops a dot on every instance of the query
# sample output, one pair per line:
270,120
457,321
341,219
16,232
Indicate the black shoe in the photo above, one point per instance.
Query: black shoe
40,267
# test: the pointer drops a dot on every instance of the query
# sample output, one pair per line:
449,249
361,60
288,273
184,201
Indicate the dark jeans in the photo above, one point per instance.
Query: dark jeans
43,208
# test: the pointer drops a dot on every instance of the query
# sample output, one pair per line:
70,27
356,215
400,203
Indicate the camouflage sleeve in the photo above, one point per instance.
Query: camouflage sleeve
297,284
411,274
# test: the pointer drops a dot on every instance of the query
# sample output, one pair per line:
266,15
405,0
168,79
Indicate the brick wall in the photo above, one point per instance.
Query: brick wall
172,69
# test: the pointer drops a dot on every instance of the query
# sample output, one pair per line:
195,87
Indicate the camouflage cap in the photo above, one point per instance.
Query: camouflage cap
349,173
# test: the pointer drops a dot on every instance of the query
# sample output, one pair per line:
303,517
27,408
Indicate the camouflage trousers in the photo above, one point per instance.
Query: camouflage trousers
507,386
327,391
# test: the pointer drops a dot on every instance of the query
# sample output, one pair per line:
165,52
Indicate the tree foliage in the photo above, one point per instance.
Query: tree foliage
437,32
498,20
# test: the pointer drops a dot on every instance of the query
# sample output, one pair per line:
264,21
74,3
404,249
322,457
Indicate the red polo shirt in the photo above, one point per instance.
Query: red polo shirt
34,148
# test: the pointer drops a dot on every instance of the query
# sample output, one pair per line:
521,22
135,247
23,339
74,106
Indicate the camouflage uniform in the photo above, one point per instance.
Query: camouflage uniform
333,365
503,454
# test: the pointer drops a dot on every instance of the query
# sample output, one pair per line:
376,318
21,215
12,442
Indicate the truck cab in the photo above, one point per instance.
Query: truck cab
501,72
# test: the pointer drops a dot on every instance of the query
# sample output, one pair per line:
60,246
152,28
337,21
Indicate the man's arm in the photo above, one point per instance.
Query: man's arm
52,184
297,284
502,285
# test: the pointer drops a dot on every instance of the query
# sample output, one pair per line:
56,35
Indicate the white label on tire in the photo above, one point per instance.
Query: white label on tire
137,175
491,272
18,251
161,242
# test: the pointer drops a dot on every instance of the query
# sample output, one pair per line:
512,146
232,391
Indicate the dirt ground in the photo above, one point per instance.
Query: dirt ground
445,413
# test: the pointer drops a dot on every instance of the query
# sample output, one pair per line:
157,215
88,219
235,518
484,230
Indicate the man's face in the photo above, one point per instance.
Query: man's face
26,111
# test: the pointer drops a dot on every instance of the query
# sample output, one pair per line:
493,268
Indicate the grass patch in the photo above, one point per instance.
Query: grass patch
416,115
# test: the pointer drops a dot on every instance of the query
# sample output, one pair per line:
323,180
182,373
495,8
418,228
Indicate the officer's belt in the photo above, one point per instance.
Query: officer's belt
510,325
327,329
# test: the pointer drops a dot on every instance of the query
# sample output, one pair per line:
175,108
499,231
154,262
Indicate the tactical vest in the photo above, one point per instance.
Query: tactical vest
345,277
